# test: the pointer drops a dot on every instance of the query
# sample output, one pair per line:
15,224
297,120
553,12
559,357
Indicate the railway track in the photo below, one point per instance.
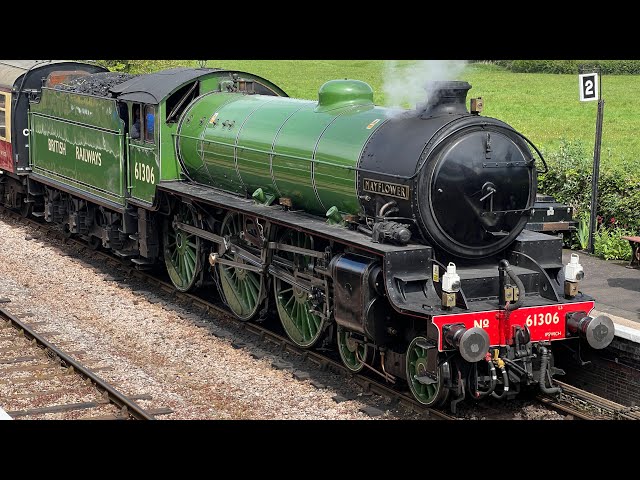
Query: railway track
585,405
34,372
575,402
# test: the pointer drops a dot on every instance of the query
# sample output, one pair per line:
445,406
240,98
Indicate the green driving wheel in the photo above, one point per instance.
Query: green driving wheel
354,354
428,393
242,289
303,327
182,255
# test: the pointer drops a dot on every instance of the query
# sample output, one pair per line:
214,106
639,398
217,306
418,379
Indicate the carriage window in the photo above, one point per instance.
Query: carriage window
4,116
149,122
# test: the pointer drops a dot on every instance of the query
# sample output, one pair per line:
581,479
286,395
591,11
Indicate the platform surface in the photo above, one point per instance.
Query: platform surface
615,288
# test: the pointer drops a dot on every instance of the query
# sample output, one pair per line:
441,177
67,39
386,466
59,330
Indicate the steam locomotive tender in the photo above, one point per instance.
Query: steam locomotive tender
394,236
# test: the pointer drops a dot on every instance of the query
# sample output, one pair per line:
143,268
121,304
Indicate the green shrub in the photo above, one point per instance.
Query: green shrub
569,181
608,244
116,65
582,234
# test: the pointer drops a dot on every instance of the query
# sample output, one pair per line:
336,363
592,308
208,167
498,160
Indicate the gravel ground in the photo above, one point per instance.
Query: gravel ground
145,345
149,348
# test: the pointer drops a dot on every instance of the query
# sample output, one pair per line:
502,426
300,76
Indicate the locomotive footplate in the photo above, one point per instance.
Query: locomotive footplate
276,214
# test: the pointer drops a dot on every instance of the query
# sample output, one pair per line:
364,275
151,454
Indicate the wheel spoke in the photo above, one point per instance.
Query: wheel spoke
188,267
307,317
303,327
242,288
191,255
427,394
182,261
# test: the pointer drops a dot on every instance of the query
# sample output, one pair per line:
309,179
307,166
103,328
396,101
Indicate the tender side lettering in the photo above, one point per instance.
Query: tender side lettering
386,188
89,156
57,146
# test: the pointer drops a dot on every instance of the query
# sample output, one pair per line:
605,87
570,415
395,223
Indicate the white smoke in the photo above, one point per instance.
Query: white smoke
405,86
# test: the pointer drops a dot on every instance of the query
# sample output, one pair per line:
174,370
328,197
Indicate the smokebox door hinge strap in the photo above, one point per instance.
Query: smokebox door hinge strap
487,146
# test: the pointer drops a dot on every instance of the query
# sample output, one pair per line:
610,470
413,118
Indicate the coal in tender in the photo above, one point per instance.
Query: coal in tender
97,84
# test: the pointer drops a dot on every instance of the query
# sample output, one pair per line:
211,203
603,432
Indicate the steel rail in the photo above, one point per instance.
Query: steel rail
115,397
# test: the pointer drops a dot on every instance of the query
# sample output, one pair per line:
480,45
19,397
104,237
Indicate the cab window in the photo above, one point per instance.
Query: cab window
135,127
5,116
149,123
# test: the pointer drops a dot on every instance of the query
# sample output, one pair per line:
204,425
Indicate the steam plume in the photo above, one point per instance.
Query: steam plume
406,86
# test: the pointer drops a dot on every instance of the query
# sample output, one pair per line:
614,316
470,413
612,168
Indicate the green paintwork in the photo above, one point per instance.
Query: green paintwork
144,170
170,167
75,107
81,156
125,168
240,143
343,93
342,145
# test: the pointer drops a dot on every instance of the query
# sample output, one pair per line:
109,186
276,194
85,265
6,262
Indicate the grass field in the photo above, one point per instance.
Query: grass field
544,107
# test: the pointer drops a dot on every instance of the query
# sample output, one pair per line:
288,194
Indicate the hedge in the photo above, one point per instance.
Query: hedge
609,67
569,181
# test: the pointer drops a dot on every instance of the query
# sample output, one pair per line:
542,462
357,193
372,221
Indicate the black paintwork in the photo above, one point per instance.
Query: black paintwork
548,215
358,305
471,179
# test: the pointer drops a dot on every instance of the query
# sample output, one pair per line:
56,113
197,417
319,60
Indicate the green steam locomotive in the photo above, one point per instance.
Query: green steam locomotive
395,237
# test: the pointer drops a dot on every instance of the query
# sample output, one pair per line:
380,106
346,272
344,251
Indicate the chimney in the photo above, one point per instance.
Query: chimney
444,97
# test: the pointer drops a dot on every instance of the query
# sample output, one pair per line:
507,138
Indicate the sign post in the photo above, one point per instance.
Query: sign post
591,90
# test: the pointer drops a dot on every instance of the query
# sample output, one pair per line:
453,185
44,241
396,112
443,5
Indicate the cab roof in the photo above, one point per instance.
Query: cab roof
155,87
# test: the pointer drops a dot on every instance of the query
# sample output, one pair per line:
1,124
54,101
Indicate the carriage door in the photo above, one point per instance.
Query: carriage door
6,158
144,167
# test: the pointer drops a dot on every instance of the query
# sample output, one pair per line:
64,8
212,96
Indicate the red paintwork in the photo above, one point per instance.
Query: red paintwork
6,159
500,324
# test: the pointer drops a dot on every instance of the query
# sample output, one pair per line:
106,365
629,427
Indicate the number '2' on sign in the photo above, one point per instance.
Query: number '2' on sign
588,87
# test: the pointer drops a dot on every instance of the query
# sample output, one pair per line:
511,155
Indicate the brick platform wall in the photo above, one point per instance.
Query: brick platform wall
614,373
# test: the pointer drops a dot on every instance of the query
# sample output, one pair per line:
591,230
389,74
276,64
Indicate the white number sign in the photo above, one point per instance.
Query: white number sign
588,87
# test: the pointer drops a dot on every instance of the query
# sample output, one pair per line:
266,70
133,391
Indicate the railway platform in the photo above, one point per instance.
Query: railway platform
616,290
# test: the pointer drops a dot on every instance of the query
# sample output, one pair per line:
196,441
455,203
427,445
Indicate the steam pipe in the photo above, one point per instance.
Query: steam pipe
544,365
505,381
492,382
457,400
383,209
508,269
